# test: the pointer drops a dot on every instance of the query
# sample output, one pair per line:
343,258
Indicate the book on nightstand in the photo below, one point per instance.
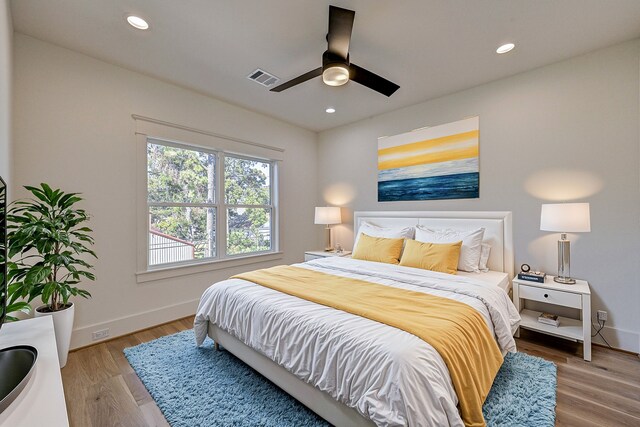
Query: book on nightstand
549,319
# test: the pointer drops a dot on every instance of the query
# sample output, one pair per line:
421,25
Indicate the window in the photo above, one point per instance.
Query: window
206,205
247,191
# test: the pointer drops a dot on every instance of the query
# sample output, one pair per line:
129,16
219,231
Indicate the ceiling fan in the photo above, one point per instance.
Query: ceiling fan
336,68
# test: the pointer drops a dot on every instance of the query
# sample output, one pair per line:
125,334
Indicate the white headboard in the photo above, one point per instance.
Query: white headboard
497,225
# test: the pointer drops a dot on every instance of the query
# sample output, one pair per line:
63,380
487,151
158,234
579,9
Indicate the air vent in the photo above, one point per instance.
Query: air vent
262,77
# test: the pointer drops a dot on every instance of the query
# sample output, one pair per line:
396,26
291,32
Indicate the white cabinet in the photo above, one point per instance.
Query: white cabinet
42,400
309,255
574,296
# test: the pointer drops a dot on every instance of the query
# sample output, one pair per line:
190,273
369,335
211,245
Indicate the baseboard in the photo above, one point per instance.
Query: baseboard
620,339
81,336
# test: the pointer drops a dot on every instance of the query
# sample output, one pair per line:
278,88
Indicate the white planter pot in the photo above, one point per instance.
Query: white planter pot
63,325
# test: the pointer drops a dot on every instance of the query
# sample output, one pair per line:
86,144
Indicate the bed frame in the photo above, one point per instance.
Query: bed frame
497,229
498,232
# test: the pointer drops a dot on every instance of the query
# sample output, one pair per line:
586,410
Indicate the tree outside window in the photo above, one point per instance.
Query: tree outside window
185,203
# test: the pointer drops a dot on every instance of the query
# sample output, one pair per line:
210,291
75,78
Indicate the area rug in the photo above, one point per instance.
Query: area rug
198,386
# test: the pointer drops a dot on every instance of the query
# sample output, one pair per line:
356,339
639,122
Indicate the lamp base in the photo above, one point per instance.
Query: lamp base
565,280
564,262
327,240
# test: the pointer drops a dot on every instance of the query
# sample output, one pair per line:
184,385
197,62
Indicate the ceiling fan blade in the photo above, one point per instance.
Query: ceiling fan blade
340,26
371,80
300,79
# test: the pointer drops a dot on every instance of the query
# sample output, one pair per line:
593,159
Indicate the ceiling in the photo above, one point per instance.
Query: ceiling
429,47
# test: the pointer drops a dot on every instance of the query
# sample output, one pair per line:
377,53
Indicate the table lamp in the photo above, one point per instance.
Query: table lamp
565,218
328,215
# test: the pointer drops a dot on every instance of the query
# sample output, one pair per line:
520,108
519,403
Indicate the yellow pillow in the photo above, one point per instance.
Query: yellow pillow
378,249
442,257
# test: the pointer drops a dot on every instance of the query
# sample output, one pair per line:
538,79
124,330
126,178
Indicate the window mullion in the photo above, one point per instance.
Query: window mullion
275,219
182,205
221,232
249,206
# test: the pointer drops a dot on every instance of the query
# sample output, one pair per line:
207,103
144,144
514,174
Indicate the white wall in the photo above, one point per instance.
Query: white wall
6,64
73,129
564,132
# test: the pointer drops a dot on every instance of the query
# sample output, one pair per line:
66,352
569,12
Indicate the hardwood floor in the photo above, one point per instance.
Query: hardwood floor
102,390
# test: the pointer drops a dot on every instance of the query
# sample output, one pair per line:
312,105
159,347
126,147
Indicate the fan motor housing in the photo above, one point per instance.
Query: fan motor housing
331,60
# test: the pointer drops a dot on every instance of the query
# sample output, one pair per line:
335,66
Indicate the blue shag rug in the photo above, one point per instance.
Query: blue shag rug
198,386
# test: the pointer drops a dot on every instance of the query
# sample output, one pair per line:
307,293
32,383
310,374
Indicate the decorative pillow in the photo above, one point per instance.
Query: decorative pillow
378,249
471,243
484,257
386,232
442,257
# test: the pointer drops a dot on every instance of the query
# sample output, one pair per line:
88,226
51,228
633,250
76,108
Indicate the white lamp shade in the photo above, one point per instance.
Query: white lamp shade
565,217
328,215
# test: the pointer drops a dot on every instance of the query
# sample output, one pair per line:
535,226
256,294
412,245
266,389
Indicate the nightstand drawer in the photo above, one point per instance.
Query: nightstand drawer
309,257
565,299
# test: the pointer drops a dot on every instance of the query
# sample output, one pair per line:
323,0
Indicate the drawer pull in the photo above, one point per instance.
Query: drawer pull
546,295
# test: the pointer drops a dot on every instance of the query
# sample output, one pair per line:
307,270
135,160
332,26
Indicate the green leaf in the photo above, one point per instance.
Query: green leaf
46,236
20,306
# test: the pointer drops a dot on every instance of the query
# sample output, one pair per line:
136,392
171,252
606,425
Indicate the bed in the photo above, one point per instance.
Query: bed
350,370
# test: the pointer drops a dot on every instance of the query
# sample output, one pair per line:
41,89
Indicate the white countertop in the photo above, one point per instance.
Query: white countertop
42,400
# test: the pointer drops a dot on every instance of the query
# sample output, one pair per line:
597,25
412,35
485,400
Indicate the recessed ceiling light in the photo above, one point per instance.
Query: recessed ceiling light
137,22
330,110
505,48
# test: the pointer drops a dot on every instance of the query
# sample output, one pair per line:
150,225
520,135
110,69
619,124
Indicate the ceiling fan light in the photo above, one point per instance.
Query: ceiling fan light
336,75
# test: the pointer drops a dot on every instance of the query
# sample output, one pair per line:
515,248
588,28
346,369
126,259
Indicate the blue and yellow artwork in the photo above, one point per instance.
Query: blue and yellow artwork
439,162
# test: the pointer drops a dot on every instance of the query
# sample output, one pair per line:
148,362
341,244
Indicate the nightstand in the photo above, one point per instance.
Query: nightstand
309,255
574,296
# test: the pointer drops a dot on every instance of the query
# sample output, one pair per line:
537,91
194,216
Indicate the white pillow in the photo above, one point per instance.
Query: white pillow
387,232
484,257
471,244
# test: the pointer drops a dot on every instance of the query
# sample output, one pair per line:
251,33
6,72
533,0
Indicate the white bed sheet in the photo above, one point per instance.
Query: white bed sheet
386,374
495,278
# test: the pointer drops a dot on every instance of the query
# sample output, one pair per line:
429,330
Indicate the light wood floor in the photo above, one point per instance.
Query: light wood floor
102,390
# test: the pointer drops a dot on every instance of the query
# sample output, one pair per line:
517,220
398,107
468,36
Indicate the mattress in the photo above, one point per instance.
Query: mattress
495,278
387,375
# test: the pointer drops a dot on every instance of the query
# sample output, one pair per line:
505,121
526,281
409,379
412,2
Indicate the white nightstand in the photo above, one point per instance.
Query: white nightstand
309,255
574,296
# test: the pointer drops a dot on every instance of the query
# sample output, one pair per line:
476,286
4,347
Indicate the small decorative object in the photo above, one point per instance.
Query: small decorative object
439,162
48,245
328,215
565,218
339,248
549,319
533,276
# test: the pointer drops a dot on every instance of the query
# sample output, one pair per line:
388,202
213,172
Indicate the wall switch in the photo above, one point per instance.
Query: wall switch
602,316
99,335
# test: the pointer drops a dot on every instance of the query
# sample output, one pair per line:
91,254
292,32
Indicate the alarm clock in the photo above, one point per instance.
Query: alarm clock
532,276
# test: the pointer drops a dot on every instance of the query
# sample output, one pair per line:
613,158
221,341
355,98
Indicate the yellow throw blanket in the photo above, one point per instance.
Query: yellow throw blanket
457,331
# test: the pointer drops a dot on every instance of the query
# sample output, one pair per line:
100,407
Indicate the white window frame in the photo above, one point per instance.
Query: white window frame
155,131
225,206
215,205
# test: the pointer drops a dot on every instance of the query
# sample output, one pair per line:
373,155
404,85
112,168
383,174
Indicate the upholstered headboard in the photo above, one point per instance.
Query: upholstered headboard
497,225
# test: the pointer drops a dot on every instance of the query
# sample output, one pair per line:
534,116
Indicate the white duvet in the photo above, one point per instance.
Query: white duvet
386,374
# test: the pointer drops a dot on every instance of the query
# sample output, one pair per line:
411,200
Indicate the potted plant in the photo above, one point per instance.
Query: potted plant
48,244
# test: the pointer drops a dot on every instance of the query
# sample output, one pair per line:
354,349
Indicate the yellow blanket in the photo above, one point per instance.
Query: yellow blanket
457,331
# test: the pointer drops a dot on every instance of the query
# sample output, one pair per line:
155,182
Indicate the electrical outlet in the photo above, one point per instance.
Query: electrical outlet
602,316
99,335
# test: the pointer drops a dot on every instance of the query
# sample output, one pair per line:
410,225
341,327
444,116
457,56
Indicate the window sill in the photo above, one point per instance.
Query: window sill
202,267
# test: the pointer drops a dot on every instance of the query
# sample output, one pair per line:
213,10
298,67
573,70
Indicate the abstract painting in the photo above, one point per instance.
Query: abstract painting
439,162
